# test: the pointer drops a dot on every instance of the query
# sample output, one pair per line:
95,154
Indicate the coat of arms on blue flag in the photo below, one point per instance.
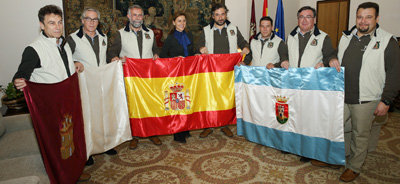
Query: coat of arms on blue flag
282,109
301,111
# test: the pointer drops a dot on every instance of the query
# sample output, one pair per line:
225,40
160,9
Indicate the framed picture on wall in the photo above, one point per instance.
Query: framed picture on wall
158,14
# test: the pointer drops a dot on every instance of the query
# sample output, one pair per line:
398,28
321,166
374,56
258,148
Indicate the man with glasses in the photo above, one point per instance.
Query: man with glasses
221,37
89,46
308,46
134,41
88,43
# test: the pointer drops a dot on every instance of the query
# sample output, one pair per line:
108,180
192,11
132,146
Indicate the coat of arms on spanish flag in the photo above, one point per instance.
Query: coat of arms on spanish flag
177,99
171,95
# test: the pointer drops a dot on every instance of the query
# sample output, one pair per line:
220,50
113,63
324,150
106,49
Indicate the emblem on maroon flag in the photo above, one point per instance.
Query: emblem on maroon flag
282,109
67,134
177,99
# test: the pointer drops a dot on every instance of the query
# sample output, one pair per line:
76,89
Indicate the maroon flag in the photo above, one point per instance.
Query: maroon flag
253,24
56,114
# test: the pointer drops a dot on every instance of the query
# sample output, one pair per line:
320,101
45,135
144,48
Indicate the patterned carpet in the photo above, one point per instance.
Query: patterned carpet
219,159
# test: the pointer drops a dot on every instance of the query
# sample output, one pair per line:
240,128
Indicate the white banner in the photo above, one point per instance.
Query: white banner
104,106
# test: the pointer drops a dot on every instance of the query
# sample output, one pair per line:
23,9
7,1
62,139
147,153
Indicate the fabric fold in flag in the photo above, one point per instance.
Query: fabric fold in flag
171,95
105,109
56,114
299,110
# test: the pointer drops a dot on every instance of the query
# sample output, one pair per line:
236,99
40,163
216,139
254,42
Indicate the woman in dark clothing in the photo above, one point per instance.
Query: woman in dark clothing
179,43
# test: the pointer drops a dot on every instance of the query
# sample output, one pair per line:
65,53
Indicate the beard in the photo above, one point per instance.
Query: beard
365,30
220,22
136,23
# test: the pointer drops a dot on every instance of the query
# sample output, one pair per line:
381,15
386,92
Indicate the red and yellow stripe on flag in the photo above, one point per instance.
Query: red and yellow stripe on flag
265,8
171,95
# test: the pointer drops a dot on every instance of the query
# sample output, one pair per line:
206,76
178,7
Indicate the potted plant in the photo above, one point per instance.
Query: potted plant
13,98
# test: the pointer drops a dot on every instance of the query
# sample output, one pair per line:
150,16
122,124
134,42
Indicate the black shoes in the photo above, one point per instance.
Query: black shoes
90,161
183,141
181,136
111,152
305,159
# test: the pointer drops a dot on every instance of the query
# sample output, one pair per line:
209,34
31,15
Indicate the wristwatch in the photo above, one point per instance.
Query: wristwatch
386,102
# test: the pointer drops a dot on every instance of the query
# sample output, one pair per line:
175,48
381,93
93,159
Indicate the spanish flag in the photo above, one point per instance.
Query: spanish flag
265,8
171,95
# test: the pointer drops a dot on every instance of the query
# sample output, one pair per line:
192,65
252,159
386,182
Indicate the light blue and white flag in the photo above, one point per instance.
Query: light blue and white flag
299,110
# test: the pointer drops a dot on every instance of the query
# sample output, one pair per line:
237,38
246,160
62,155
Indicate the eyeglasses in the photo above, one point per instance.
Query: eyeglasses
90,19
305,17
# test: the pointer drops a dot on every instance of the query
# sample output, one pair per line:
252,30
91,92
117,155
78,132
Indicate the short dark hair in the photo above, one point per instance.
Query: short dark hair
267,18
307,8
370,5
49,9
218,6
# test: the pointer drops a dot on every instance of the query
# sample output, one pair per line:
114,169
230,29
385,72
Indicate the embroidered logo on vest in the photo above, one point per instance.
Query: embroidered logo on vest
314,42
232,32
270,44
281,109
147,35
376,46
104,43
177,99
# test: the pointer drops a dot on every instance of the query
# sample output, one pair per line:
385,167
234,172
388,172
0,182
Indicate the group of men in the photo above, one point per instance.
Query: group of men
369,54
371,58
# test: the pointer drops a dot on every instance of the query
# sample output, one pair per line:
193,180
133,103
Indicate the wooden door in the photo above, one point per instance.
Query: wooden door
333,18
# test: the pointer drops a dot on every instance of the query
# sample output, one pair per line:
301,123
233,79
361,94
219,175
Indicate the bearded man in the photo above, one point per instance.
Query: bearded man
134,41
221,37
